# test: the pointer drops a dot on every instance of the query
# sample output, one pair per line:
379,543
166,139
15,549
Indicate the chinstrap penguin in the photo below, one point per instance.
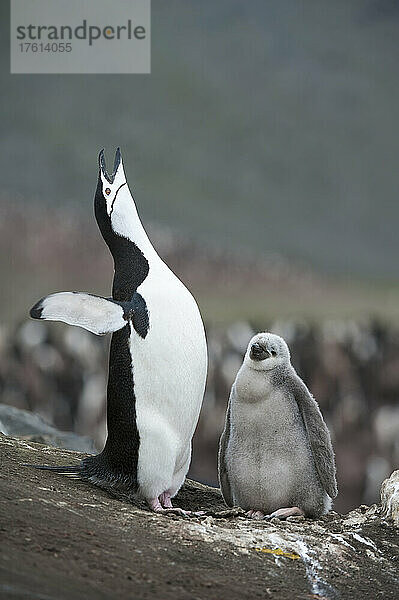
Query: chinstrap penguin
157,360
275,453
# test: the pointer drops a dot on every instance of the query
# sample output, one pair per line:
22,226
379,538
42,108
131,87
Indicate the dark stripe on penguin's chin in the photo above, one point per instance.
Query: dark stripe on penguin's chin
113,201
116,465
131,266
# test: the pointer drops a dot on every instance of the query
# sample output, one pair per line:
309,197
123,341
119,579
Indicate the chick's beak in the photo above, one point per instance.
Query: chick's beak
258,352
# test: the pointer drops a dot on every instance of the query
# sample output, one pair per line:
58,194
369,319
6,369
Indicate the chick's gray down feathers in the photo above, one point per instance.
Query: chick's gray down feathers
317,434
223,475
315,428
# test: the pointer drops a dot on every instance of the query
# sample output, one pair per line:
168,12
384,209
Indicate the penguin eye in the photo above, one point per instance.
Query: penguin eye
107,191
273,352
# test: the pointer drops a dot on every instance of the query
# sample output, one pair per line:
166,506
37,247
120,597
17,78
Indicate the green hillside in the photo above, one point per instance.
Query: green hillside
268,126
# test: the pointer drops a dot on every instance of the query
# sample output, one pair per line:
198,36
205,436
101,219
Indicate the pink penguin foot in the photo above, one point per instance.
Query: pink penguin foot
156,505
255,514
283,513
166,500
164,505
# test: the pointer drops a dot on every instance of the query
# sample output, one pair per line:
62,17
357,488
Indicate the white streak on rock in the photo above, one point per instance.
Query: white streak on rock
363,540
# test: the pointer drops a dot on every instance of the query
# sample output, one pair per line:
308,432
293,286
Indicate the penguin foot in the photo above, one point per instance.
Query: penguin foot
166,500
255,514
167,508
164,505
175,511
283,513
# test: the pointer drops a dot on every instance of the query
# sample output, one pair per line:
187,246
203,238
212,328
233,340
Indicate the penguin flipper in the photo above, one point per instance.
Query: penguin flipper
318,436
222,465
94,313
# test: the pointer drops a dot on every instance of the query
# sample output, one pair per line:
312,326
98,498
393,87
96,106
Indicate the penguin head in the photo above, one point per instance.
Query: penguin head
110,186
115,209
121,228
266,351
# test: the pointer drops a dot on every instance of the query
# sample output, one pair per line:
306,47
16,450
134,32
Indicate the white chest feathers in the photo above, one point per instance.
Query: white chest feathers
169,371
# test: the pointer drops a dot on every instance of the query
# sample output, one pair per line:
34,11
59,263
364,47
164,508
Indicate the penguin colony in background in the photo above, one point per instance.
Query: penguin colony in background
157,360
275,453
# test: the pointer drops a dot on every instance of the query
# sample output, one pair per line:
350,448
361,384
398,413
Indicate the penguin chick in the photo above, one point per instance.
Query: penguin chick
275,453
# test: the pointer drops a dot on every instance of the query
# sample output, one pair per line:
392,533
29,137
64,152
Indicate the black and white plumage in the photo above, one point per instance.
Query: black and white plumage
158,355
275,453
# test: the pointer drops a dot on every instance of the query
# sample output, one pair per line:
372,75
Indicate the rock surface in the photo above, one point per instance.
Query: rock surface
22,423
63,539
390,497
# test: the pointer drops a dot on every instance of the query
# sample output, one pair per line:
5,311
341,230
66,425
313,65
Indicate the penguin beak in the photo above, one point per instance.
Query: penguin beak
103,168
258,352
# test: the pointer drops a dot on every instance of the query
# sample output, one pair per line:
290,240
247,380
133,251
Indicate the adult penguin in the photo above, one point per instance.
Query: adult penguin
158,355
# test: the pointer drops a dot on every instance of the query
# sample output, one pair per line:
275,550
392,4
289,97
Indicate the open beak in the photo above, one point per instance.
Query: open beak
101,162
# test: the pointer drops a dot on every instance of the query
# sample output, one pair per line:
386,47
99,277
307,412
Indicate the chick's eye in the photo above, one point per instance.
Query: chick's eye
107,191
273,352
